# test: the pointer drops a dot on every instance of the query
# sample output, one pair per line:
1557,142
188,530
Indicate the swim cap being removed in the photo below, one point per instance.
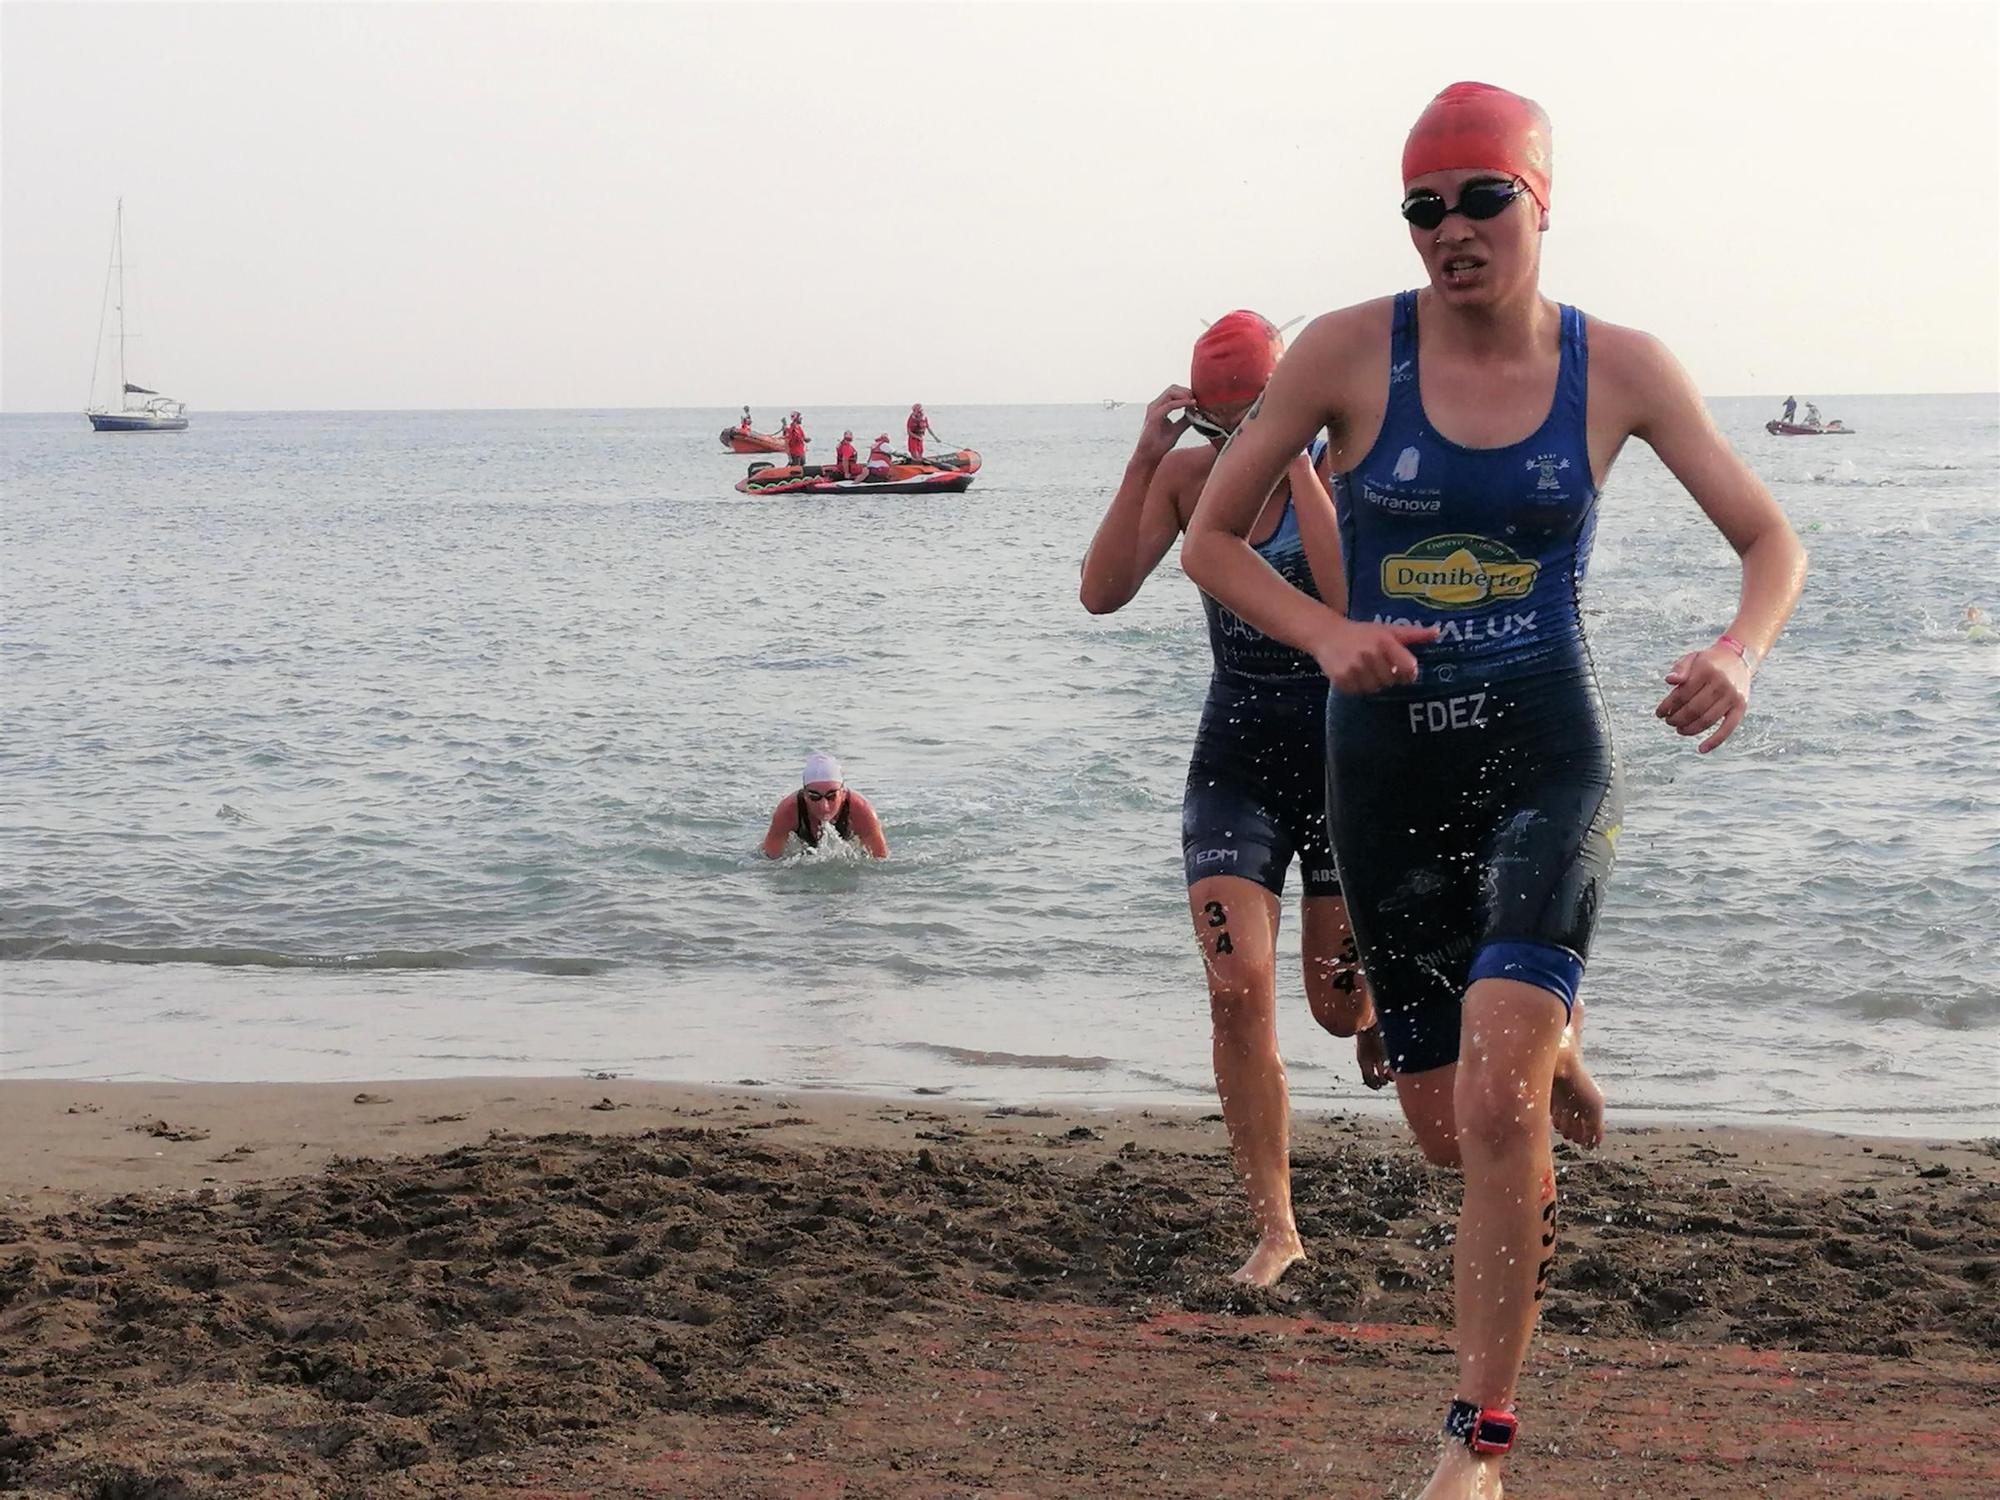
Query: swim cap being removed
1477,125
1234,358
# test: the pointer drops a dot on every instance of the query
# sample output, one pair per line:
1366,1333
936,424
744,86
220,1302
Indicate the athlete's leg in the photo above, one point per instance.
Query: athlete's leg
1511,1036
1576,1103
1236,924
1336,988
1548,873
1427,1103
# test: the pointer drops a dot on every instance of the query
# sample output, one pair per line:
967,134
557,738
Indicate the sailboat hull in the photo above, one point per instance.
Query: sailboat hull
135,421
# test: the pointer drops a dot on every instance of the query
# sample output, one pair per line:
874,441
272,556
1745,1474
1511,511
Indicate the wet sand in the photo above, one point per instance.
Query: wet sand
514,1287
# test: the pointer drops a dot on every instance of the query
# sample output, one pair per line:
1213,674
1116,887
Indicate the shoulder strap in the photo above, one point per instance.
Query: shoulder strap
1573,379
1402,358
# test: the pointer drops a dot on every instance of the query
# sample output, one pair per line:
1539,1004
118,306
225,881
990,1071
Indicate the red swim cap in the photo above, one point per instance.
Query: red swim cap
1478,125
1234,358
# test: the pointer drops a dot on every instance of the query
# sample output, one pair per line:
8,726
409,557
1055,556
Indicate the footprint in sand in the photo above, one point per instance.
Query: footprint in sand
371,1099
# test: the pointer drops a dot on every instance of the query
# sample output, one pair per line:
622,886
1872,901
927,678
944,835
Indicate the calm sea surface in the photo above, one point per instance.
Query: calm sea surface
365,745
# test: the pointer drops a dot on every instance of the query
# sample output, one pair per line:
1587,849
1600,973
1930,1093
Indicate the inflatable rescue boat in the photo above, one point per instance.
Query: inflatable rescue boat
947,474
738,440
1799,429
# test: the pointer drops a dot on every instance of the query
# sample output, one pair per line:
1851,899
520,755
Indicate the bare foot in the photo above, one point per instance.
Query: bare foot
1463,1475
1275,1254
1372,1054
1576,1103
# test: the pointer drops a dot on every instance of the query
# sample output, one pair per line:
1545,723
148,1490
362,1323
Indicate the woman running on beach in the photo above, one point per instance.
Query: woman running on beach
1474,792
1256,787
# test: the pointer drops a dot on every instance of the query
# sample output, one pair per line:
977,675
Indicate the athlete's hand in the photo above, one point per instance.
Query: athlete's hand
1162,429
1710,690
1365,658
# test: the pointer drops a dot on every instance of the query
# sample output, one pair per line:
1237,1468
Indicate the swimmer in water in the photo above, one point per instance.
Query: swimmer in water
1256,786
1473,789
822,801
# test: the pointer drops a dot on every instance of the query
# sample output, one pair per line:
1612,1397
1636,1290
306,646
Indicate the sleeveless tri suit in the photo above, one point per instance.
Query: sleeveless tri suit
1256,784
1474,810
808,832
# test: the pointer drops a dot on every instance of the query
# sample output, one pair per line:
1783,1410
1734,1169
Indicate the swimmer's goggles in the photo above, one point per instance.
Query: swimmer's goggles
1208,427
1486,198
813,794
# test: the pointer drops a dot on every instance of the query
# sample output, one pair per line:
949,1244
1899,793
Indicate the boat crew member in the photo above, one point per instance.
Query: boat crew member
879,459
822,802
1812,415
844,458
1256,785
1791,405
1473,793
915,429
795,441
744,425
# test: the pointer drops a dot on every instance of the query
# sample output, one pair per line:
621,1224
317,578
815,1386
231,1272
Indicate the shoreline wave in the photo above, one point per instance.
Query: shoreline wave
242,956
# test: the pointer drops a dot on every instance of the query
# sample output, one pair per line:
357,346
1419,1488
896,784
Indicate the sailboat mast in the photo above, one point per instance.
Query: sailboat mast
103,306
119,238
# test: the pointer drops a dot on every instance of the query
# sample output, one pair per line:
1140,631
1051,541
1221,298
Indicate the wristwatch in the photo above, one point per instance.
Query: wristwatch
1483,1429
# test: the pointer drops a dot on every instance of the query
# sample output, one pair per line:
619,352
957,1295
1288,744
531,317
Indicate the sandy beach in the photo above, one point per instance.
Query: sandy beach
600,1287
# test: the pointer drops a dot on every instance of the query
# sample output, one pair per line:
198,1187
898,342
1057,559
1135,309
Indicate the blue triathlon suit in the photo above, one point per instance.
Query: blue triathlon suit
1256,786
1474,810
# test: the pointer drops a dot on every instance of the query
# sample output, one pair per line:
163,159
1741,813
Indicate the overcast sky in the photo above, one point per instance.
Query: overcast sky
663,205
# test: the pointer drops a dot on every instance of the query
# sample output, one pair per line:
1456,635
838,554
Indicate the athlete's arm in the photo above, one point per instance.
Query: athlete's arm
1319,529
1218,556
1709,689
866,827
780,829
1143,520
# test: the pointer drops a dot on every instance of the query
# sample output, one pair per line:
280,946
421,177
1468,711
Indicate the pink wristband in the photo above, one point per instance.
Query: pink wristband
1742,648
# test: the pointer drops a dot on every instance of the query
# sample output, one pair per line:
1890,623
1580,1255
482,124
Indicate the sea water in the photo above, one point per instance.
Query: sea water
361,745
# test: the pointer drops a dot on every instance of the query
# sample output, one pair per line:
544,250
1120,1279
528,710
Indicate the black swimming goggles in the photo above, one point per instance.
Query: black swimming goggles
1207,426
1485,198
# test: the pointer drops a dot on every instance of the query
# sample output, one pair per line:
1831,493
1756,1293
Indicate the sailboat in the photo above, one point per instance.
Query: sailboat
157,413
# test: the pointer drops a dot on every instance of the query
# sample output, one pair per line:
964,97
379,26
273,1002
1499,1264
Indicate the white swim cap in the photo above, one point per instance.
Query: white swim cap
820,767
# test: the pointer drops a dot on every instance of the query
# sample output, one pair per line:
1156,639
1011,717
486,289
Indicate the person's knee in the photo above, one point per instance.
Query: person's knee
1341,1012
1240,1002
1428,1112
1440,1148
1496,1110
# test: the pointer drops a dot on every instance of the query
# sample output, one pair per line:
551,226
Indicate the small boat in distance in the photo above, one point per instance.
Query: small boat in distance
156,414
948,474
1835,428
